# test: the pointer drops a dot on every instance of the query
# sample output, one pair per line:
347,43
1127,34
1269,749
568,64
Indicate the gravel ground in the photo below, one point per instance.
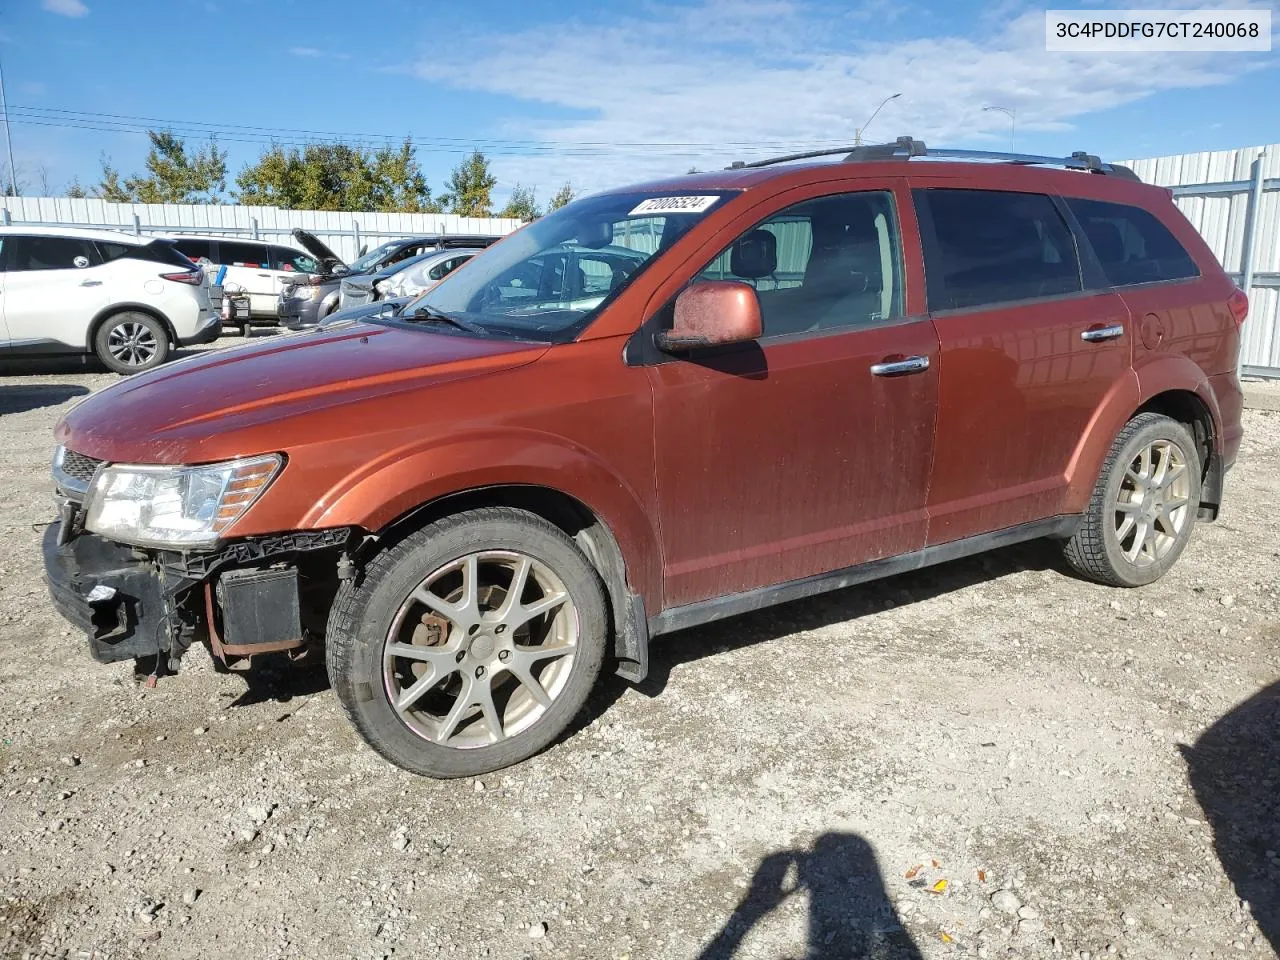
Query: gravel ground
992,758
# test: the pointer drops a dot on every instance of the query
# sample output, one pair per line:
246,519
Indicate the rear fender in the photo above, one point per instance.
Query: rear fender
397,484
1086,461
1173,372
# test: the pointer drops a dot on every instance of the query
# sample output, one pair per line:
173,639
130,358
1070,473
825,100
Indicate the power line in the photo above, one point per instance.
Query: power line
245,133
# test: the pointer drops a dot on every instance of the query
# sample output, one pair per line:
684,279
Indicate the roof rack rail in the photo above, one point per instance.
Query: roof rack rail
904,148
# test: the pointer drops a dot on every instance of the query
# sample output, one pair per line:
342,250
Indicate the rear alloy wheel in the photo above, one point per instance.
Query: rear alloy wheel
1144,505
131,343
470,645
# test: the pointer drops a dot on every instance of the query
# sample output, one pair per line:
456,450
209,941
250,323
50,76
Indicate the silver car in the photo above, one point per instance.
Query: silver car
408,278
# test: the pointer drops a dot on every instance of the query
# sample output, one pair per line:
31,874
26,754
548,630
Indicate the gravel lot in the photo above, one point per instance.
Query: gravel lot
990,758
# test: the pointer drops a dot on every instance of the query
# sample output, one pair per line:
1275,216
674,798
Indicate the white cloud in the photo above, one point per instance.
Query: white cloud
314,53
65,8
702,85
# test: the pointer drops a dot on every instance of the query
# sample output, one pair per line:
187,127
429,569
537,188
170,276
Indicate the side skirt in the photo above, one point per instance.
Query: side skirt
707,611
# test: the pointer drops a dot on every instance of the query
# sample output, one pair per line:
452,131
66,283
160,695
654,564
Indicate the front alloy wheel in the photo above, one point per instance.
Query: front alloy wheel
481,649
469,645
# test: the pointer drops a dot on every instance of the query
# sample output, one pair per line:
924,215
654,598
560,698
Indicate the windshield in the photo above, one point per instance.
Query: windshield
372,257
549,279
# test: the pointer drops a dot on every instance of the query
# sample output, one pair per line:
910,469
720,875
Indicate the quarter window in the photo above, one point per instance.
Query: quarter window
51,253
196,250
234,254
1131,244
987,247
829,263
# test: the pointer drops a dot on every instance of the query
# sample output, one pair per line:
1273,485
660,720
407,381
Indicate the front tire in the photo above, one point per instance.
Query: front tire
470,645
1143,507
131,342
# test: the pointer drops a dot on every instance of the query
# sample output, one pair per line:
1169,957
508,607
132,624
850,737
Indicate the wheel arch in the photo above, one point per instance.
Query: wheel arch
585,526
1190,408
106,313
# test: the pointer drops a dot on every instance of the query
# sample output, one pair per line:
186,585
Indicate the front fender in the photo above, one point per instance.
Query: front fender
397,483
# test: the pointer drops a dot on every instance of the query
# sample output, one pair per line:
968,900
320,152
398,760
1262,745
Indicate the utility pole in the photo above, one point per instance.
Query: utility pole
1013,126
8,138
857,134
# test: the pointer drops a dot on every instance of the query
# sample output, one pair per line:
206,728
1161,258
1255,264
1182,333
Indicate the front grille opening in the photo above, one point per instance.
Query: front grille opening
79,467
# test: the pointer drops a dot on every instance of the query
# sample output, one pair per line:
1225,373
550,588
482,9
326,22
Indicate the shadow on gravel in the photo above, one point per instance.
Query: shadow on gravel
850,914
280,681
668,652
21,398
1235,771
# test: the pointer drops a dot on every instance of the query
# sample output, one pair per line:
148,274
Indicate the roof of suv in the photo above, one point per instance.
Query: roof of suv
80,233
986,170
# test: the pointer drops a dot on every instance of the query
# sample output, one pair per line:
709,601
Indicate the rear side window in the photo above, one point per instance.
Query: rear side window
196,249
986,247
237,254
51,253
1131,244
157,251
292,261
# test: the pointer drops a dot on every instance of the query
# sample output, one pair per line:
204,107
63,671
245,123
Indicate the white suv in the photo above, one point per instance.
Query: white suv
258,268
127,299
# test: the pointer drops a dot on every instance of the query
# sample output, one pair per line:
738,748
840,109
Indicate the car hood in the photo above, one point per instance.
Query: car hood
329,260
236,402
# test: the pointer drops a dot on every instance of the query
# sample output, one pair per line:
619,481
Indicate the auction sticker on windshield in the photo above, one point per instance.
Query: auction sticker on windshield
673,205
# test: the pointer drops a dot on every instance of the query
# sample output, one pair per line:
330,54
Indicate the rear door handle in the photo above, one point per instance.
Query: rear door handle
1110,332
893,368
90,283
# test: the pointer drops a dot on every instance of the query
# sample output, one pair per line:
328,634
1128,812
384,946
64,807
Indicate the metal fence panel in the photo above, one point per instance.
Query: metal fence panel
345,233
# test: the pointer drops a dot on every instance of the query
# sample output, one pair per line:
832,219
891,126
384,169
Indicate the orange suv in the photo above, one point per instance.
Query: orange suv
656,407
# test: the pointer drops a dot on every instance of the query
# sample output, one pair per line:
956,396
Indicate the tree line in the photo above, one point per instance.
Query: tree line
317,176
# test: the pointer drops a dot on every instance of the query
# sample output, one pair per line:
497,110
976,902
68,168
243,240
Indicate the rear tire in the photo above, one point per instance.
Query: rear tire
440,670
131,342
1143,507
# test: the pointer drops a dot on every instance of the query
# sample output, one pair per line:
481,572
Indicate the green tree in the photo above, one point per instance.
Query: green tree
523,205
563,196
173,175
75,190
337,176
470,188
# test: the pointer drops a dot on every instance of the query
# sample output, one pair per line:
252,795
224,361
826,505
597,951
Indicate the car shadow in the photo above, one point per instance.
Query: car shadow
19,398
275,679
850,914
1234,768
685,646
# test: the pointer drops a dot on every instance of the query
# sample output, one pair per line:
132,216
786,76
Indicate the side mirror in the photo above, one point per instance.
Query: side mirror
711,314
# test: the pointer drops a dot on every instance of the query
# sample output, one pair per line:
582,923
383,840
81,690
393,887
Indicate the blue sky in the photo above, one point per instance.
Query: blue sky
597,93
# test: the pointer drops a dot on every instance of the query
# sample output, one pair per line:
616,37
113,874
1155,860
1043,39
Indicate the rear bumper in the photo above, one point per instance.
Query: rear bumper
108,591
1226,390
209,331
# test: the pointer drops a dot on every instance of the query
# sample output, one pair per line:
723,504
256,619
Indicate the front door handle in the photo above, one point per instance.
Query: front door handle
893,368
90,283
1109,332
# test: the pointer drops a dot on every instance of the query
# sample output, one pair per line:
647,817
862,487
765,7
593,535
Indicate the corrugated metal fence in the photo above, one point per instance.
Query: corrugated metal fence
344,233
1233,198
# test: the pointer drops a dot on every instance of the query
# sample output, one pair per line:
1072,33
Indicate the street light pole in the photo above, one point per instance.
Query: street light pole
8,138
857,134
1013,126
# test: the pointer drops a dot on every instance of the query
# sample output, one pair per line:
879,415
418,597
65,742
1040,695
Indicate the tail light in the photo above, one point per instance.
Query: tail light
193,277
1238,303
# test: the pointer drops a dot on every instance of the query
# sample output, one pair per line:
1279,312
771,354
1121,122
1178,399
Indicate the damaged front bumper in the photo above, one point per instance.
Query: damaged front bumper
244,598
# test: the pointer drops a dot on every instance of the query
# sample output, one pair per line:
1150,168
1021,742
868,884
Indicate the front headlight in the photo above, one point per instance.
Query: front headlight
175,506
382,286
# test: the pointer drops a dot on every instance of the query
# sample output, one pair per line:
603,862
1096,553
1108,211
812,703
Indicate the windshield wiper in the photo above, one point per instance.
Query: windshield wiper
429,315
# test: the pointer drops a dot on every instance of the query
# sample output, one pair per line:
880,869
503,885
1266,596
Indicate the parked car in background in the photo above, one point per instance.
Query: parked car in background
408,278
125,298
654,408
307,300
256,269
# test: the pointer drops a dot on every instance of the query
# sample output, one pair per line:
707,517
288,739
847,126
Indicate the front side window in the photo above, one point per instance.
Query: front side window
548,280
829,263
988,247
51,253
1131,244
